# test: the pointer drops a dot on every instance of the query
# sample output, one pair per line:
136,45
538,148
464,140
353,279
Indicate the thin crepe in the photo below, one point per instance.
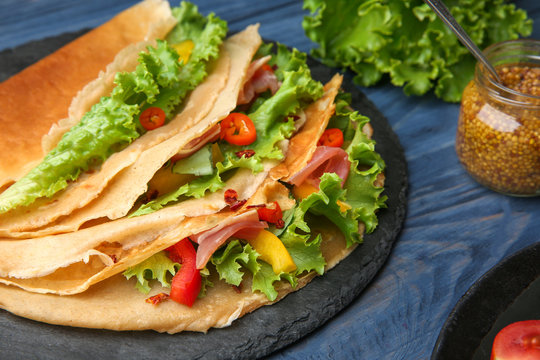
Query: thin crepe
111,192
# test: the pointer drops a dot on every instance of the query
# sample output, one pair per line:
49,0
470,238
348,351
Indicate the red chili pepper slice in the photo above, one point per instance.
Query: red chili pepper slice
186,284
231,196
157,299
237,205
331,137
245,153
238,129
152,118
271,215
267,67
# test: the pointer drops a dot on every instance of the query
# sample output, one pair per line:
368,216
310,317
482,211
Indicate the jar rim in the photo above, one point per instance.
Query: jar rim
496,88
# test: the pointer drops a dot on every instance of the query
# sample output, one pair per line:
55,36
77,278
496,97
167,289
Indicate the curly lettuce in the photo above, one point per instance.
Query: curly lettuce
407,41
157,267
235,259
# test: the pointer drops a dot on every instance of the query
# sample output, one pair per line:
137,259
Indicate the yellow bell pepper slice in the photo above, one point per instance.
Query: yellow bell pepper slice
343,206
184,49
272,250
303,190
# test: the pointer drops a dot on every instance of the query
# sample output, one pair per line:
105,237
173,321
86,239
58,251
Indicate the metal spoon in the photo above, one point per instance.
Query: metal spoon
444,14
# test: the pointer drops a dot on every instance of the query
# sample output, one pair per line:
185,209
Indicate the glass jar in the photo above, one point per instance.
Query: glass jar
498,135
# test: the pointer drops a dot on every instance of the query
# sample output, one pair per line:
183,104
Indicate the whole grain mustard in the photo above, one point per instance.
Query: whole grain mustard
498,135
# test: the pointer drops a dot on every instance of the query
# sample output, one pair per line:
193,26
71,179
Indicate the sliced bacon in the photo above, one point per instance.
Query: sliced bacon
254,66
257,80
325,159
244,226
209,136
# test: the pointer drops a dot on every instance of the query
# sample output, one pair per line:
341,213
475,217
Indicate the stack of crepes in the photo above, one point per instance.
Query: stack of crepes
185,183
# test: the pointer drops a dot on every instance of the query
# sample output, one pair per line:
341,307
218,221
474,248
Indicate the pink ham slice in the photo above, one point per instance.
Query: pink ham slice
257,81
209,136
325,159
244,226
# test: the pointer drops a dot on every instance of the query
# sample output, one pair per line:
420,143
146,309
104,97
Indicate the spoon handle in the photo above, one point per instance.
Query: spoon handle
444,14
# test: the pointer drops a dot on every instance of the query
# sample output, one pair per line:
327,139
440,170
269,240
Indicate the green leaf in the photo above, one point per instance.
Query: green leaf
325,203
362,195
305,253
230,259
196,188
407,41
265,278
157,267
205,282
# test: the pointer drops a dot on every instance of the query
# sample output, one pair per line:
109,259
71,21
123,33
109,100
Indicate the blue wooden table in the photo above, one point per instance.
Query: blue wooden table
455,229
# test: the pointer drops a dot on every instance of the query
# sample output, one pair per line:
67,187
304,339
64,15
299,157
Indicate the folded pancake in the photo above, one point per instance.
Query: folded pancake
48,264
42,93
96,256
111,192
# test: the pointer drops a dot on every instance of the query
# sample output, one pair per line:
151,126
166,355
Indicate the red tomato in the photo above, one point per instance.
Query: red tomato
152,118
519,340
186,284
331,137
238,129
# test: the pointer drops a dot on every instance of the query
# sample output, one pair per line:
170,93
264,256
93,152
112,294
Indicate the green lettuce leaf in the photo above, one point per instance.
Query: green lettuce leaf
234,259
111,124
157,267
325,203
207,34
407,41
265,278
230,260
363,195
205,282
305,252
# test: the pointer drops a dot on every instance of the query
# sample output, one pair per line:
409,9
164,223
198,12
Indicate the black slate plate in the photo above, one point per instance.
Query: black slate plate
507,293
257,334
